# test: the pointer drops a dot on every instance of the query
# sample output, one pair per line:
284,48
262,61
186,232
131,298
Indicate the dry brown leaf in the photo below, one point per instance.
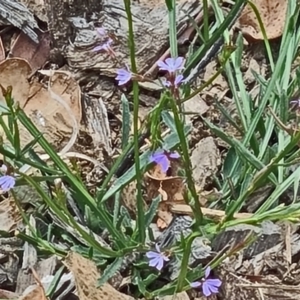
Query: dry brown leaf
272,13
86,276
10,216
50,116
2,51
15,72
164,215
37,293
35,54
178,296
8,294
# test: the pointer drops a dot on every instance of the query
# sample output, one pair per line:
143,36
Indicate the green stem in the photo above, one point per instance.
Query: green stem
173,30
187,164
185,262
205,21
140,203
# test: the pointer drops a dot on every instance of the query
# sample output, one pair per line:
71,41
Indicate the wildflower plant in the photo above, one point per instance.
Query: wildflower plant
250,162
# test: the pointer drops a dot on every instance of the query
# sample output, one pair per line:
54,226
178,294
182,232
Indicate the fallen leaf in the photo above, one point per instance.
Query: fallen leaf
10,216
35,54
54,111
164,215
272,13
86,277
205,159
179,296
2,51
8,294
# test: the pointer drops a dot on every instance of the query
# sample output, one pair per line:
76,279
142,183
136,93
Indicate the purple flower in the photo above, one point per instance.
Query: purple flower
156,259
7,182
106,46
171,64
101,31
178,80
209,286
123,76
162,158
296,103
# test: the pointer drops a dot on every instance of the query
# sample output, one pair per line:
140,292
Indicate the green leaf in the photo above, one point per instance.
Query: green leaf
55,281
151,213
110,271
125,121
168,120
169,143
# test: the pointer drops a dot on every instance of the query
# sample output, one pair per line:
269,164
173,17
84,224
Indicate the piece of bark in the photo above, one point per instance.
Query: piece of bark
59,13
269,235
14,13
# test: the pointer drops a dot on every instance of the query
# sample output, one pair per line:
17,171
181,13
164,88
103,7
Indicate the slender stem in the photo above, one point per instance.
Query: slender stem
173,30
140,204
205,21
187,164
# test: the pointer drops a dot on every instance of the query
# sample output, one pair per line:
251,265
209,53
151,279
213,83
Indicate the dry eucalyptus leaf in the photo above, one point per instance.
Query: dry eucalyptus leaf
10,216
86,275
54,119
272,13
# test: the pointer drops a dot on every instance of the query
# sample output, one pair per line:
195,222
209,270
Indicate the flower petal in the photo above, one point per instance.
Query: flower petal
97,48
174,155
153,262
213,289
178,80
123,76
178,63
152,254
101,31
165,164
165,258
157,247
7,182
207,271
160,264
214,282
206,289
157,156
195,284
162,66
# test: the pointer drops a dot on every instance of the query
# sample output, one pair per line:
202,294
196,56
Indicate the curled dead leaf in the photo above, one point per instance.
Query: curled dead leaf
10,216
272,13
55,110
86,276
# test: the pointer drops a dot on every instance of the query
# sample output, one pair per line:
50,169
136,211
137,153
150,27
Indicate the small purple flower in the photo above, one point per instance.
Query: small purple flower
123,76
101,31
162,158
209,286
171,64
178,80
106,46
157,259
296,103
7,182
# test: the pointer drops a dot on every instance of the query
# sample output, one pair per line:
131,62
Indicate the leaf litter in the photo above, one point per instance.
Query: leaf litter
55,122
